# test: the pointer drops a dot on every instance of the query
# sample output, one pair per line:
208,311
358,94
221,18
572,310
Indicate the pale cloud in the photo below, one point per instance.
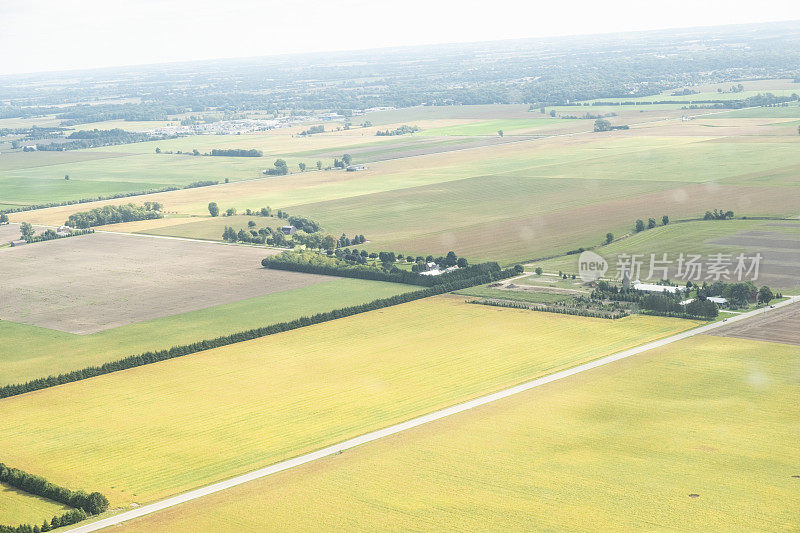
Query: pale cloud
53,35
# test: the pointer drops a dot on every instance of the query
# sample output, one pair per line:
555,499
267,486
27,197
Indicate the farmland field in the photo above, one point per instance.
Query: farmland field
696,436
782,326
211,415
20,507
33,352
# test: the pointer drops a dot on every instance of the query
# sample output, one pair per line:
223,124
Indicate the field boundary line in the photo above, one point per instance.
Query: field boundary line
409,424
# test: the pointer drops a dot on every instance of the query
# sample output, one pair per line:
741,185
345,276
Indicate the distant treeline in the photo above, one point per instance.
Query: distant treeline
79,140
112,214
84,504
116,196
758,100
146,358
236,152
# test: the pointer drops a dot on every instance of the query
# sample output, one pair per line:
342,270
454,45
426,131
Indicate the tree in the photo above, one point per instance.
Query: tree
765,295
213,208
639,225
96,503
229,234
664,220
451,259
553,113
519,269
462,262
26,230
329,243
302,167
609,238
66,177
319,165
231,211
251,224
347,159
500,133
281,167
158,150
651,223
538,271
3,218
602,124
195,152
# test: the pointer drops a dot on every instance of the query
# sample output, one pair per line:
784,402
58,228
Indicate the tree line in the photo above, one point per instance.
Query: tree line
84,504
111,214
236,152
402,130
485,274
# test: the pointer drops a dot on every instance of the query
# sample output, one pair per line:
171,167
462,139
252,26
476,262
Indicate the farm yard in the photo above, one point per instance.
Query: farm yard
257,402
696,436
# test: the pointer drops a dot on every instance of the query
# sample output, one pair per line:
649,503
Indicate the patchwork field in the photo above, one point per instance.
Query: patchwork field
696,436
20,507
782,326
778,242
34,352
211,415
95,282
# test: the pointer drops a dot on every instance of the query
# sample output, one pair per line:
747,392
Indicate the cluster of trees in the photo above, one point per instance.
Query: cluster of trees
313,129
236,152
345,241
602,124
402,130
27,233
475,275
280,168
345,161
111,214
94,503
640,226
663,304
718,214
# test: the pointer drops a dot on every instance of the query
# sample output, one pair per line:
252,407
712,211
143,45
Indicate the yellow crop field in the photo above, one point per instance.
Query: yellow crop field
700,435
17,507
159,429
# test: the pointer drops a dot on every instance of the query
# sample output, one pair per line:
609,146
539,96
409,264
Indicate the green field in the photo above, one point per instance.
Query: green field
33,352
697,436
18,507
491,127
211,415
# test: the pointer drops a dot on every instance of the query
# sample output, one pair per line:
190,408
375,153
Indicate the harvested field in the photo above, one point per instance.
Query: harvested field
782,325
8,233
95,282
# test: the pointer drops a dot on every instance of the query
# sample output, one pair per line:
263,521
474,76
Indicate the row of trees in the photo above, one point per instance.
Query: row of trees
84,504
402,130
314,263
602,124
476,275
72,516
640,226
718,214
236,152
111,214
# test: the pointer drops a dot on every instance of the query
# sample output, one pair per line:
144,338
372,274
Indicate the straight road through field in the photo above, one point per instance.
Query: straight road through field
414,422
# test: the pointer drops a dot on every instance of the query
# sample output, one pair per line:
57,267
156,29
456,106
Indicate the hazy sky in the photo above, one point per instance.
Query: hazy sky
38,35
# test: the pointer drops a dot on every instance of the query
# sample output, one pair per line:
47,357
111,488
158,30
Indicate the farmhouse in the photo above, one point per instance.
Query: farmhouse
19,242
64,231
652,287
288,230
355,168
